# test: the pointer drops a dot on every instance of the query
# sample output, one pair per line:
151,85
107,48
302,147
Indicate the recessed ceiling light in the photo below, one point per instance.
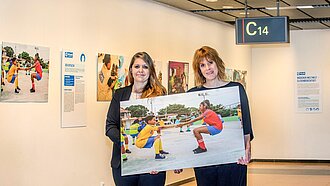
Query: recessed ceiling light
243,13
211,0
227,7
302,7
289,7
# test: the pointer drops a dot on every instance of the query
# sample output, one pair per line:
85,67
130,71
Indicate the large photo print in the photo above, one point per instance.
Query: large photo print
161,133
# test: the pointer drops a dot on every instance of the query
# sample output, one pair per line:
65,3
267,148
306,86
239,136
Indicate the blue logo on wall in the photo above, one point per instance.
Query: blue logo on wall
68,54
68,80
82,57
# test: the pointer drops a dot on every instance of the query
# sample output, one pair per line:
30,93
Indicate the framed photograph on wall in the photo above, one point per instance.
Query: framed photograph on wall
159,70
25,75
236,76
111,75
240,76
178,73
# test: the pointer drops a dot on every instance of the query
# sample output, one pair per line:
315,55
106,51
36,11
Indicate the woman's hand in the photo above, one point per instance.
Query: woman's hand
178,171
154,172
247,159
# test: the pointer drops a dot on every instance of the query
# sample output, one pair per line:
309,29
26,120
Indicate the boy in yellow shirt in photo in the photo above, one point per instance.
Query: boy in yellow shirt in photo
12,75
146,139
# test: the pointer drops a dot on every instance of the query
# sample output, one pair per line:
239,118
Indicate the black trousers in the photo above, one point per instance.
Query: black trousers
222,175
139,179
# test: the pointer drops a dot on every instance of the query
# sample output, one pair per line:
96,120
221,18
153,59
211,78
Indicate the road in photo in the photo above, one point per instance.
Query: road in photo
226,147
24,83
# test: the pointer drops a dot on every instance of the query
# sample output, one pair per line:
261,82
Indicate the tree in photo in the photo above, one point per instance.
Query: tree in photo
138,110
9,51
176,109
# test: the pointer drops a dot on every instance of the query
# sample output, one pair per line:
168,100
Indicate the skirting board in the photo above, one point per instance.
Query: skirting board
181,182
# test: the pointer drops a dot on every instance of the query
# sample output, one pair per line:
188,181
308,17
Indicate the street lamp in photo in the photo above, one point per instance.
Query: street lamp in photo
204,94
36,48
149,100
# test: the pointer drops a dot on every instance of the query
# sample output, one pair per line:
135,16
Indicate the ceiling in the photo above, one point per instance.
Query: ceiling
303,14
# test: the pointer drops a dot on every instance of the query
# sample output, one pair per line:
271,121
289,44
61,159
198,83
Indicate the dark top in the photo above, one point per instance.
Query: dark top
246,119
112,127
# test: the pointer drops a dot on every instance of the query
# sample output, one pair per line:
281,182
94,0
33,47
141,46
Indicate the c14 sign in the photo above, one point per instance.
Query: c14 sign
262,30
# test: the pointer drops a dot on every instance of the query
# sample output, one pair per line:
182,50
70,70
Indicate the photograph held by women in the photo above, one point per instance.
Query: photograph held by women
143,84
209,70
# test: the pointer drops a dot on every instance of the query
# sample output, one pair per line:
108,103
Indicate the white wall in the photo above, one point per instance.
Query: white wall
281,132
34,150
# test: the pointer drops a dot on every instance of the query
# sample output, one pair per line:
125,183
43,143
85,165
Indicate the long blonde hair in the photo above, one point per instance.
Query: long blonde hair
153,87
209,54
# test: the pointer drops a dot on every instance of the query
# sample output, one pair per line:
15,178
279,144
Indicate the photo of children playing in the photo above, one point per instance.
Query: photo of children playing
153,138
111,75
24,73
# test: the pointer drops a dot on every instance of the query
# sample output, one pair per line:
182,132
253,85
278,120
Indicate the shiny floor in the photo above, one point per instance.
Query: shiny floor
286,174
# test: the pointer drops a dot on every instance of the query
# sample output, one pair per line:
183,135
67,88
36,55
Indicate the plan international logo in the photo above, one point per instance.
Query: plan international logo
82,57
68,54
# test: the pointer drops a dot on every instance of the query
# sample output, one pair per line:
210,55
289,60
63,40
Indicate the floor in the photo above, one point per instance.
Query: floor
286,174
